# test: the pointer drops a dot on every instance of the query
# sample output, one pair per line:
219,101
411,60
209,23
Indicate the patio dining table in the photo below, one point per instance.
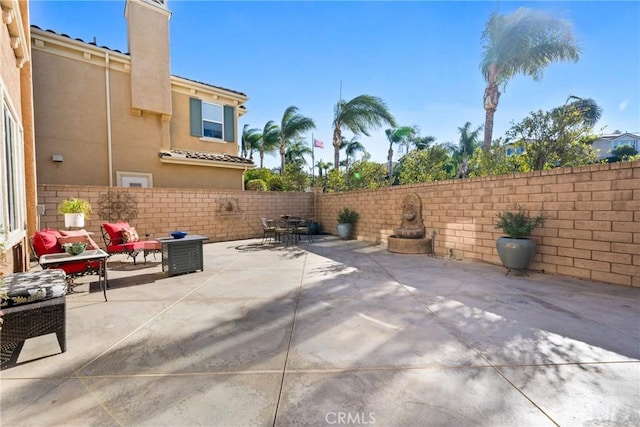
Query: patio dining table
287,228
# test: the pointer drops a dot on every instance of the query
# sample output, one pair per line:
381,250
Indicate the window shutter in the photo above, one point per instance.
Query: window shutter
195,113
229,123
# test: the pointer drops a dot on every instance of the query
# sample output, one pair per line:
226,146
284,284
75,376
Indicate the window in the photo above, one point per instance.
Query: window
12,187
512,150
212,120
630,142
134,179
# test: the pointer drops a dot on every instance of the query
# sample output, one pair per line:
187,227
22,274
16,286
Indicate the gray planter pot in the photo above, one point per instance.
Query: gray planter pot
515,254
344,231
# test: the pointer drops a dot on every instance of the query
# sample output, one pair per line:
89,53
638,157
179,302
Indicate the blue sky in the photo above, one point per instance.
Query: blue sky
421,57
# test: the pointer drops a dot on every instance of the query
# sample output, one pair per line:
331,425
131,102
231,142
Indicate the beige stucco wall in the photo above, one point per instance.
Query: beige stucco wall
148,29
15,77
72,119
9,72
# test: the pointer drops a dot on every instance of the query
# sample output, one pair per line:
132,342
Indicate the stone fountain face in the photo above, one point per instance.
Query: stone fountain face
412,226
409,237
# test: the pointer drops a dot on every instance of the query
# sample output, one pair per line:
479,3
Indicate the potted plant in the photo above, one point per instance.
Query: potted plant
74,211
346,219
516,250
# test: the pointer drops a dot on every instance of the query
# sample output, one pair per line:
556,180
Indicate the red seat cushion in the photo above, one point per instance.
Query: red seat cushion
114,230
79,266
46,242
127,247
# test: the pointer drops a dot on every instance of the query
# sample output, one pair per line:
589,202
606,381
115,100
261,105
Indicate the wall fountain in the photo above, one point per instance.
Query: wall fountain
409,238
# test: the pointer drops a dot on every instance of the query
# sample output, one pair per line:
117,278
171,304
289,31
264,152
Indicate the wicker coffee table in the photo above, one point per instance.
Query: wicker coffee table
36,306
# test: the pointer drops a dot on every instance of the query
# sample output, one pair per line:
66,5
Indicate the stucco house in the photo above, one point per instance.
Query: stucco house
17,163
607,143
103,117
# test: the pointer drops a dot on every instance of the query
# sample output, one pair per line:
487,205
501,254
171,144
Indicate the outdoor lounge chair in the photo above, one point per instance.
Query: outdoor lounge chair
121,238
50,241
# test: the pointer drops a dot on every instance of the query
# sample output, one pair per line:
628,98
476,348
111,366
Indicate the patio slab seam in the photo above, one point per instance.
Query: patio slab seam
150,320
290,340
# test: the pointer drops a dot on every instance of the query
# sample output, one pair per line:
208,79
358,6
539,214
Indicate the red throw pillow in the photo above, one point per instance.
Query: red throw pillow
129,235
114,230
46,242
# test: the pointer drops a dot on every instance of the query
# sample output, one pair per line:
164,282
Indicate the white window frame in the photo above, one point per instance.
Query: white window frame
213,120
143,178
13,205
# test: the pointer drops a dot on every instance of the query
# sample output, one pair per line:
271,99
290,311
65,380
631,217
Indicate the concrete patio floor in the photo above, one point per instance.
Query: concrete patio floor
333,333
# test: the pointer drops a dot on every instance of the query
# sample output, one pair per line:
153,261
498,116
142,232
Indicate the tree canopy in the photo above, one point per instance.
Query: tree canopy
524,42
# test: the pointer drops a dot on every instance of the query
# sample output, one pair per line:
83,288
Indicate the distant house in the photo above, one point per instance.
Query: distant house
18,184
607,143
511,149
103,117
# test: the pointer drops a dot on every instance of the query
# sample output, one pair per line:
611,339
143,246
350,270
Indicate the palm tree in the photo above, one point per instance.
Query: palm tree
321,166
292,125
358,116
396,136
423,142
269,141
251,141
243,141
587,107
351,147
296,150
467,144
524,42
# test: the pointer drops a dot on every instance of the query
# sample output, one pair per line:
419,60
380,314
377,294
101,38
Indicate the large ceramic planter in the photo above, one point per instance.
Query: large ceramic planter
515,254
344,231
74,220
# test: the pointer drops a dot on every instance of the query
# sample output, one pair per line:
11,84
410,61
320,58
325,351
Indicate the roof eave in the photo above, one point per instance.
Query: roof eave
208,163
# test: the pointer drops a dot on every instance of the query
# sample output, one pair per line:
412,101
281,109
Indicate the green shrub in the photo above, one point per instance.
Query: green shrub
256,185
518,224
74,205
347,216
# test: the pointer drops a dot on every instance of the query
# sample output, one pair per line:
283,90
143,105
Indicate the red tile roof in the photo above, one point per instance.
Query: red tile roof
197,155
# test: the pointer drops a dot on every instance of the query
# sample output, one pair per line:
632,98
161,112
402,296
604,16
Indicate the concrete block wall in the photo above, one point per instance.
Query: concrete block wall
220,215
592,227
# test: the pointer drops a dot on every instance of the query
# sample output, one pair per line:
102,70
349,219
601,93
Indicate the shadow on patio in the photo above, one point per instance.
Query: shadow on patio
336,330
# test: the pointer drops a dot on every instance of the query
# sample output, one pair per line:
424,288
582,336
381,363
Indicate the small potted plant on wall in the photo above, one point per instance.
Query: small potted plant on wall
515,249
346,219
74,211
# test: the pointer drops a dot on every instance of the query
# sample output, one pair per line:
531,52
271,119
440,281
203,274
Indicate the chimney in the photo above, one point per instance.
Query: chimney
148,34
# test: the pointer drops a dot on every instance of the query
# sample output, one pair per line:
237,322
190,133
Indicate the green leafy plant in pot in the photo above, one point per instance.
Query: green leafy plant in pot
75,211
346,219
516,250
